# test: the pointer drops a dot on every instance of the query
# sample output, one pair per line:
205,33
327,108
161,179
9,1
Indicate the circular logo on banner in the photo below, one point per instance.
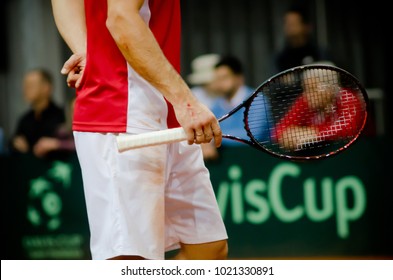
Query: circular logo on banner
44,199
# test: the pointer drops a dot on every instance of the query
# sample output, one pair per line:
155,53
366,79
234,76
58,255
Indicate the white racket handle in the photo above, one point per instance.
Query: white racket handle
134,141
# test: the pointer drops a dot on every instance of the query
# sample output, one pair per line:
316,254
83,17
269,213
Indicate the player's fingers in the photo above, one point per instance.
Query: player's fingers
190,136
73,78
71,63
208,132
217,134
79,80
199,136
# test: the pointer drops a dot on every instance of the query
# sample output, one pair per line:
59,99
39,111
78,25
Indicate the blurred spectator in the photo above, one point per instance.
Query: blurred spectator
229,83
300,47
202,76
324,112
62,142
43,118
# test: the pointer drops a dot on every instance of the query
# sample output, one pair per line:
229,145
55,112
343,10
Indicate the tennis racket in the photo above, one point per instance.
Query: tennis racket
303,113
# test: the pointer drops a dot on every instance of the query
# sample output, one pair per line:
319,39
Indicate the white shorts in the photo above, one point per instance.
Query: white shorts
146,201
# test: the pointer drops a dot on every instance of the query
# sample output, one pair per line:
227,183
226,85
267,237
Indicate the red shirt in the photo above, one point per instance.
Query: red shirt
112,96
345,118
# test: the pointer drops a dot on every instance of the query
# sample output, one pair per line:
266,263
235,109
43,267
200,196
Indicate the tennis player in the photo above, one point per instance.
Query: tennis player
125,67
323,112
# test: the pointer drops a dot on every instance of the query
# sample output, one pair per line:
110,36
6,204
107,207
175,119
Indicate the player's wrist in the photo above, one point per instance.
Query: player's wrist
183,99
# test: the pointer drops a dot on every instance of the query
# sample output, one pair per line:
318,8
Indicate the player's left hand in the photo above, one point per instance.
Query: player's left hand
74,68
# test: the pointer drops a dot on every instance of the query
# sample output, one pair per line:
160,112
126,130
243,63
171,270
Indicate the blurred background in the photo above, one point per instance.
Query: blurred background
336,208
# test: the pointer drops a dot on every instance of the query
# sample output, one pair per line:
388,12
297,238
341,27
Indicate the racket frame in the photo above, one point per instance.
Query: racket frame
255,143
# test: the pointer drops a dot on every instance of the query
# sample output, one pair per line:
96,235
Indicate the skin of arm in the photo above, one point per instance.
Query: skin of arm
69,16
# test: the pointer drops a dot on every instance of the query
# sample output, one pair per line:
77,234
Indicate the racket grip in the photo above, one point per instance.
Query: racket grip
134,141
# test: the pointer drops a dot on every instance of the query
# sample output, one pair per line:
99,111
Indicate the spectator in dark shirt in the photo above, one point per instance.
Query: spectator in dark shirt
62,143
300,47
43,118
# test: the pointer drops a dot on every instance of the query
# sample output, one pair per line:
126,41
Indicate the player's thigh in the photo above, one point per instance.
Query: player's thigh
192,213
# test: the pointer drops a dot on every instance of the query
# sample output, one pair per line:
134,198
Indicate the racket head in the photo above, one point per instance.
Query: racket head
312,112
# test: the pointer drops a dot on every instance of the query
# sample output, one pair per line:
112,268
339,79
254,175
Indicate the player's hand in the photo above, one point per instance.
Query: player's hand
74,68
199,123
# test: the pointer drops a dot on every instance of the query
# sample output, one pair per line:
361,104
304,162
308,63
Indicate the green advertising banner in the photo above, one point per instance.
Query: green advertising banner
45,210
340,207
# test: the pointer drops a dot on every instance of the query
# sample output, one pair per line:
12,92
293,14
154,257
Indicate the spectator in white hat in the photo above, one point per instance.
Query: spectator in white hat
201,78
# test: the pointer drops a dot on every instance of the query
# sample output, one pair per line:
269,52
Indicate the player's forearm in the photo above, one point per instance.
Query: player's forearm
69,17
138,45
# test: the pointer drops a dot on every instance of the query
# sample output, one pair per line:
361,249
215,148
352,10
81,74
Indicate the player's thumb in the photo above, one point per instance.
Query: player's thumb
70,64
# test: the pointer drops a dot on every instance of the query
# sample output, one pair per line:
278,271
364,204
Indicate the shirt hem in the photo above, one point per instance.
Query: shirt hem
114,128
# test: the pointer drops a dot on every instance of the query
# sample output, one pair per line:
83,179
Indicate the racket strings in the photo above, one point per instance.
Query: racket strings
310,112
